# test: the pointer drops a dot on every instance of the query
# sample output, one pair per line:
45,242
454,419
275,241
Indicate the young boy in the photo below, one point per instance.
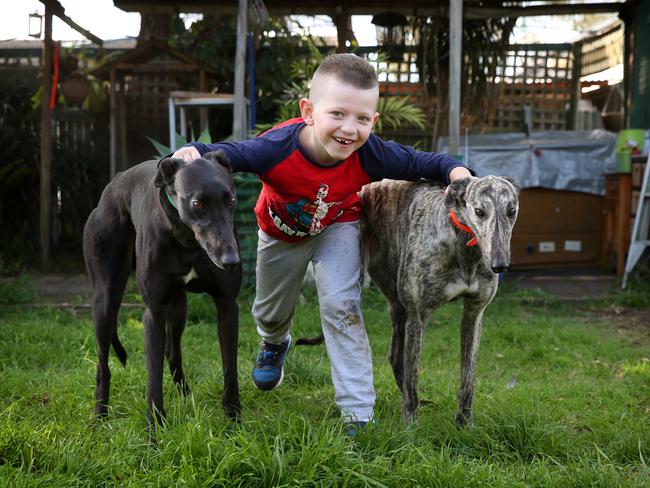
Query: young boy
311,170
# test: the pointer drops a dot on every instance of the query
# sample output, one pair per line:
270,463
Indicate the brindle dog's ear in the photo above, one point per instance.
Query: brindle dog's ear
513,182
456,193
166,171
218,157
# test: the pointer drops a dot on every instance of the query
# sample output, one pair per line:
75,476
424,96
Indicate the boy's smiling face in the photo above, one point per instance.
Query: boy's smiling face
339,119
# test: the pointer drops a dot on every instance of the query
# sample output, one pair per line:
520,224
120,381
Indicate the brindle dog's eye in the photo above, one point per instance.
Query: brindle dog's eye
512,212
197,205
479,212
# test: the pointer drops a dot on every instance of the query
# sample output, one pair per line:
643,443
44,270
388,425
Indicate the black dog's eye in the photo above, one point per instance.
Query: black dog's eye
232,201
197,204
479,212
512,212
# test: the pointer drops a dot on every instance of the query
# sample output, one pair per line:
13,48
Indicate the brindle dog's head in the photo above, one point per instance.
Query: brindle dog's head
203,192
489,206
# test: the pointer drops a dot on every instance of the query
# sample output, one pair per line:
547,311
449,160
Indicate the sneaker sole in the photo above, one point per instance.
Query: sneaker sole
264,387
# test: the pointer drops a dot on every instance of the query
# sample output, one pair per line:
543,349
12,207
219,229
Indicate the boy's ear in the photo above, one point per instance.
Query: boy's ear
375,118
456,193
307,110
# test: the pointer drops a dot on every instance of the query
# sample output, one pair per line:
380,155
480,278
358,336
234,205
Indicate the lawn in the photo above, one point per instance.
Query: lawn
562,400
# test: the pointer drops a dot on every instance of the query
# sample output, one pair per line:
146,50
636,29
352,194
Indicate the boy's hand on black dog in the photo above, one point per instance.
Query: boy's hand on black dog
187,153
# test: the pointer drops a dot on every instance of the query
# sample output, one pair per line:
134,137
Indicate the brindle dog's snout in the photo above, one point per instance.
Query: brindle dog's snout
499,267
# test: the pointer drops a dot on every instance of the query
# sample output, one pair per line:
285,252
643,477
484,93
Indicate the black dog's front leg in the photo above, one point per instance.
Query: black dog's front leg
176,319
228,325
154,344
470,336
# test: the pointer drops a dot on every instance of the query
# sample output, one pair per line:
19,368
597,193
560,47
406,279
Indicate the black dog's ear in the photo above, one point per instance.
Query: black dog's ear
456,193
166,171
513,182
218,157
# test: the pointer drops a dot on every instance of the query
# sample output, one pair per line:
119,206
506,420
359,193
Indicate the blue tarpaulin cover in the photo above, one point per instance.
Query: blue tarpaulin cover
560,160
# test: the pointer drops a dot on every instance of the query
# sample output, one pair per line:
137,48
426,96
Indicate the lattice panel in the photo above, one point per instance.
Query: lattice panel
539,76
602,52
148,95
399,78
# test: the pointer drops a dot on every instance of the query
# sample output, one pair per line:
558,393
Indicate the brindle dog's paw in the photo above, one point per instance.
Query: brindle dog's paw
463,419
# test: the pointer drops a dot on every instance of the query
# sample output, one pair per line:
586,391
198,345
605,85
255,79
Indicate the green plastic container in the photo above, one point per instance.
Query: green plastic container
624,162
628,140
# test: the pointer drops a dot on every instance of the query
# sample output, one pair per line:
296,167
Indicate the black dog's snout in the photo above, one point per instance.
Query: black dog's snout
499,268
230,265
229,259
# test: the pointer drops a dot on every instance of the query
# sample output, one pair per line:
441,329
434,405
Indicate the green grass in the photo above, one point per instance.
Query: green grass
577,415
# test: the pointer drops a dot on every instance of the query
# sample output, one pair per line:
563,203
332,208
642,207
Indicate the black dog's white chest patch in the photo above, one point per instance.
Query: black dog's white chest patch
190,276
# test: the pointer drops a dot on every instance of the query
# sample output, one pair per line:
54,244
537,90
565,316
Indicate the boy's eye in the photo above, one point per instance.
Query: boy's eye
363,118
337,114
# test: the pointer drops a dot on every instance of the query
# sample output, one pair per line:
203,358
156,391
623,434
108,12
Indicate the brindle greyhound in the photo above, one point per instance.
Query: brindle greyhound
177,218
425,248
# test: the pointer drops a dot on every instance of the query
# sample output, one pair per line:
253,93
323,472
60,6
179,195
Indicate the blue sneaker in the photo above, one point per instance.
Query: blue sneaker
268,371
354,428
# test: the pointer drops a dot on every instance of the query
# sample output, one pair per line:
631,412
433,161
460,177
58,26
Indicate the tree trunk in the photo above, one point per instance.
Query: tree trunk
344,32
154,26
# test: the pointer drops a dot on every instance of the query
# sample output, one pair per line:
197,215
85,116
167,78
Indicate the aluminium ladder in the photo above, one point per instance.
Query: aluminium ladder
640,239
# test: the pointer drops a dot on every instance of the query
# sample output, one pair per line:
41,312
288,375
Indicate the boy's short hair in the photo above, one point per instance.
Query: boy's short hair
348,68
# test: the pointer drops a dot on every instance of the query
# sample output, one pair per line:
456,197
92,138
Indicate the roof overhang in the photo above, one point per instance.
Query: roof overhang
440,8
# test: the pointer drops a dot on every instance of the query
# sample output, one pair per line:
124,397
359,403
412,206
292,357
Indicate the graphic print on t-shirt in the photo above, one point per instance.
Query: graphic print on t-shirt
303,217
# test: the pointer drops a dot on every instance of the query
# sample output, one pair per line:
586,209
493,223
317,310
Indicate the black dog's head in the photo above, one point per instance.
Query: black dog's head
203,192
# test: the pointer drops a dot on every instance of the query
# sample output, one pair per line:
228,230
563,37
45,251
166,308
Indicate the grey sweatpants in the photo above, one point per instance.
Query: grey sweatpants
280,271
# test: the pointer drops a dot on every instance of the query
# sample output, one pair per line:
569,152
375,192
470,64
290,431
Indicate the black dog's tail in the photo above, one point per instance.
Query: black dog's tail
118,348
310,341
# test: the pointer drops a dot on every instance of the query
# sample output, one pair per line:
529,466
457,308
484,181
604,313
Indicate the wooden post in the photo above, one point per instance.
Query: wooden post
46,144
203,111
113,125
239,128
629,41
123,148
575,85
455,60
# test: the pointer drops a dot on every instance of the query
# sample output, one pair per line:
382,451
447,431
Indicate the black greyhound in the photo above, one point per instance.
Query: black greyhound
176,217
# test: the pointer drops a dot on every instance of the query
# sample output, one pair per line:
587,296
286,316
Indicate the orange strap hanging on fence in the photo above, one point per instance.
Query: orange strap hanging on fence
55,80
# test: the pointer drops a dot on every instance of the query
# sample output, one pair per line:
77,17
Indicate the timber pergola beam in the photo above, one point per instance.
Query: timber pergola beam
58,11
438,8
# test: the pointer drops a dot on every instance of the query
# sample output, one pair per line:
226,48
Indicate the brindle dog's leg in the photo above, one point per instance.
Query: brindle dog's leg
176,316
414,328
470,336
398,317
228,320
